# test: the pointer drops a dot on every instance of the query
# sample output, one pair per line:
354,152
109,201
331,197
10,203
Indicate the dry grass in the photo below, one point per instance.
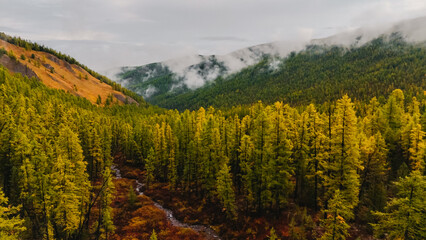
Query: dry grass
65,76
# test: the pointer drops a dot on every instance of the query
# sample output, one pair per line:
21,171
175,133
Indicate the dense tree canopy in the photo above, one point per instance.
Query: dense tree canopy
56,153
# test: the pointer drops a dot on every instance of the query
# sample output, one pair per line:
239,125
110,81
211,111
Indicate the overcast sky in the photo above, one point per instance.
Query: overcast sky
108,33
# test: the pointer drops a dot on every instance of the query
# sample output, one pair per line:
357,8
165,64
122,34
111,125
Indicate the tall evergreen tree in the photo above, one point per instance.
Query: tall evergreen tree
11,225
71,184
316,144
344,153
105,222
373,176
150,168
247,162
405,214
393,115
225,191
412,137
335,225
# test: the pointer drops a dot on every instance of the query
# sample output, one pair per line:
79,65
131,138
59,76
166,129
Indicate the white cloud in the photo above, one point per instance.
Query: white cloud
136,32
149,91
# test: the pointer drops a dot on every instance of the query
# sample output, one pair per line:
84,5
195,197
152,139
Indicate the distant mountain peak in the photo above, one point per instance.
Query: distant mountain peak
189,73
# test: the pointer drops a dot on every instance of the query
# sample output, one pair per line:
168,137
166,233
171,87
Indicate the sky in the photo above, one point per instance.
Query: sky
105,34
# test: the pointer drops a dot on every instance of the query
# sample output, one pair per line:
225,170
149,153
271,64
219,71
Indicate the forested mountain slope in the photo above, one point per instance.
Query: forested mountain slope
245,171
194,71
321,72
340,168
60,71
163,82
56,154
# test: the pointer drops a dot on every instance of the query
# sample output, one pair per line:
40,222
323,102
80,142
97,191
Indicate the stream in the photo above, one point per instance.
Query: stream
206,230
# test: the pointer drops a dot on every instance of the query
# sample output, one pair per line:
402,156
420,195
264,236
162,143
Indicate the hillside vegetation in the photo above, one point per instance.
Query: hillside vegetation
315,75
304,172
60,71
335,150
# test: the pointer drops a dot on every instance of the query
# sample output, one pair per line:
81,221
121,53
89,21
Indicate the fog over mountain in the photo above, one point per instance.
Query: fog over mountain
194,71
134,33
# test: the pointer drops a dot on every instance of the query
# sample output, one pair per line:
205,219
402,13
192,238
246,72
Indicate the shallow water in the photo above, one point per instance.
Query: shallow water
207,231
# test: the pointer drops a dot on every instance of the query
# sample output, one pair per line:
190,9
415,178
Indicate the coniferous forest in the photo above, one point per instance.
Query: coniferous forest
339,170
317,74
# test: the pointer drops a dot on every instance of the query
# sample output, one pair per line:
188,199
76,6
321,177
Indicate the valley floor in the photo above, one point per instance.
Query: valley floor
136,215
190,217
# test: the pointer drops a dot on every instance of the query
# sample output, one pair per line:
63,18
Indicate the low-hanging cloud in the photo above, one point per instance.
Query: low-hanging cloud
170,29
186,69
194,71
413,30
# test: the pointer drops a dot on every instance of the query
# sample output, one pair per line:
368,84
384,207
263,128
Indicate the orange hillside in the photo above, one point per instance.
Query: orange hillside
59,74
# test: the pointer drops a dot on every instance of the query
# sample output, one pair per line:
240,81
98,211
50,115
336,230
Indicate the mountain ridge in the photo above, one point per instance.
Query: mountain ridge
61,72
192,73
